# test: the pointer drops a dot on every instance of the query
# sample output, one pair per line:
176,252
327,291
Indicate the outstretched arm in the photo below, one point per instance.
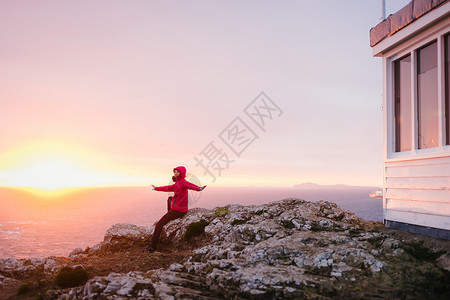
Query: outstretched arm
194,187
167,188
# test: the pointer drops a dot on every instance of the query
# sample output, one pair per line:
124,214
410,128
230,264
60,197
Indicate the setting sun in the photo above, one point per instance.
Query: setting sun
50,174
49,166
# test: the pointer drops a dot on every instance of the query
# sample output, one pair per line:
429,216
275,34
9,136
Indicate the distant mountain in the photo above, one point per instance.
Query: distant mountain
307,185
311,185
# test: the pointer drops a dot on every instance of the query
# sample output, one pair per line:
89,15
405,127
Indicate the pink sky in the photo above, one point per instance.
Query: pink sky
123,91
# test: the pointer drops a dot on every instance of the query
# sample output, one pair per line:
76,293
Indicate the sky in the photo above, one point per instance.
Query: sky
242,93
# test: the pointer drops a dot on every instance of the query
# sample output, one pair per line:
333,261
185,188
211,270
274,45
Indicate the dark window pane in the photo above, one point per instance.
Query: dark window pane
402,107
427,96
447,88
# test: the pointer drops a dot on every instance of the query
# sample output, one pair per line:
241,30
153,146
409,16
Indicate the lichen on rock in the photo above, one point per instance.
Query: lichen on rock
287,249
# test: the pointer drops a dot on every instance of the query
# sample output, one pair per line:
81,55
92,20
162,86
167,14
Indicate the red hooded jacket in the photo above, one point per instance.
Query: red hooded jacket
180,188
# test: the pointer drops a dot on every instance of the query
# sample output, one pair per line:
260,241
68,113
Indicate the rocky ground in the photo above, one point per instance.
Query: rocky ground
289,249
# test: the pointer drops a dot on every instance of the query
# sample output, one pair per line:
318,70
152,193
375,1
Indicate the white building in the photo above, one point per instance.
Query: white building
414,45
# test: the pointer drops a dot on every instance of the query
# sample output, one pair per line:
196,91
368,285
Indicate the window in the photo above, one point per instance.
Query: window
402,107
427,97
420,104
447,88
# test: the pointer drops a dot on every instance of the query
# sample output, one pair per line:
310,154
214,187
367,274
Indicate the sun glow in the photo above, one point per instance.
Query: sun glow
50,174
51,168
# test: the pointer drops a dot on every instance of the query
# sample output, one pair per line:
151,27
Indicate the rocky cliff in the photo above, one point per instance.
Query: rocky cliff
289,249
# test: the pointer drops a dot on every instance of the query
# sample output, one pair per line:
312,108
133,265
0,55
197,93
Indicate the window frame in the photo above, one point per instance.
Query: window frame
410,48
446,82
397,131
417,91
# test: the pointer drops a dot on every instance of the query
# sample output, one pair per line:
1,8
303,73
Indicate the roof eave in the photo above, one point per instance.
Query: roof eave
419,25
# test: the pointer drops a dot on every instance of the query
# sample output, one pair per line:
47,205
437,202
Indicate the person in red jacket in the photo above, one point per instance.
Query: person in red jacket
178,204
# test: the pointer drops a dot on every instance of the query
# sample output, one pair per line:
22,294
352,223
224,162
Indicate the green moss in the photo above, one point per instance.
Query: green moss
376,241
315,226
418,251
425,281
412,277
355,232
27,262
377,230
323,271
195,229
40,296
239,221
339,217
221,211
23,289
287,224
68,277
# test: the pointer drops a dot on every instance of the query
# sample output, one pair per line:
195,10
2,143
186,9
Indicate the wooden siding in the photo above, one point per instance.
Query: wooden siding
428,207
418,192
418,171
439,183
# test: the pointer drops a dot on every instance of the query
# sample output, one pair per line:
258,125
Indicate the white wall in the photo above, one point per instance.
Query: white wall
418,192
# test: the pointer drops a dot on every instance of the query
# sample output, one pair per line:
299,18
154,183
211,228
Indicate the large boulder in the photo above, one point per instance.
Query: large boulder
17,267
289,249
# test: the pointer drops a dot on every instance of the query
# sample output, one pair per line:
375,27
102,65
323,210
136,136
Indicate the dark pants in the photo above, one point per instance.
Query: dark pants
169,216
169,203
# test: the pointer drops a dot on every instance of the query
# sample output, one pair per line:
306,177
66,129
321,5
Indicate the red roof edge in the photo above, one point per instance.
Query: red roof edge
408,14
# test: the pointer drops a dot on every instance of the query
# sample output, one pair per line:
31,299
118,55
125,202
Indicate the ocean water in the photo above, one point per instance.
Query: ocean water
32,226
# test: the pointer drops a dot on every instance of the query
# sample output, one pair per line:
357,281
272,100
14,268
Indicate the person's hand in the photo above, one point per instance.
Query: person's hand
202,188
153,187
